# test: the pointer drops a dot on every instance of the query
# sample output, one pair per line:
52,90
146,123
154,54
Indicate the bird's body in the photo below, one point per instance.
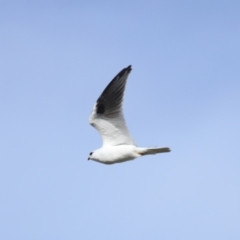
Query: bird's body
107,118
122,153
115,154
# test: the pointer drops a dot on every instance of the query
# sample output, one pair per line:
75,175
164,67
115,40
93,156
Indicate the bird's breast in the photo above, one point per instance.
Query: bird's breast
116,154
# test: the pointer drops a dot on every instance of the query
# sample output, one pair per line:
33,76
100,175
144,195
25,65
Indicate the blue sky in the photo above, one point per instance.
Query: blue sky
56,57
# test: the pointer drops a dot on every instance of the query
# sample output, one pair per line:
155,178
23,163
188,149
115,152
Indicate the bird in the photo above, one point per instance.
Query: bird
108,119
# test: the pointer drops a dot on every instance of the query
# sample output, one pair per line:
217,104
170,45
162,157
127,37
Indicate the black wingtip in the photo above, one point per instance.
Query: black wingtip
125,70
129,68
116,93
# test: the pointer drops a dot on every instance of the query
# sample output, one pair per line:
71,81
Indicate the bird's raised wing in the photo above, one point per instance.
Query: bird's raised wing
107,116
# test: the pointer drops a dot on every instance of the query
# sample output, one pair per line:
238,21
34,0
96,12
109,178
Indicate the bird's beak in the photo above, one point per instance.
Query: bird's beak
88,158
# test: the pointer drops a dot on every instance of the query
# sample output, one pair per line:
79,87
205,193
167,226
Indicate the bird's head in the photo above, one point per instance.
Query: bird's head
90,155
94,155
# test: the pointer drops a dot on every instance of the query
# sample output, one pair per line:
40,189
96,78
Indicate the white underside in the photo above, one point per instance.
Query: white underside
122,153
116,154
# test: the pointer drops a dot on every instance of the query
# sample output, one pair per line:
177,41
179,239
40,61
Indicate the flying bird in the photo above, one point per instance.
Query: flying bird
107,117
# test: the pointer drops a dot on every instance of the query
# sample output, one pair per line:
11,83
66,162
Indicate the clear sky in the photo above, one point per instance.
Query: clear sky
56,57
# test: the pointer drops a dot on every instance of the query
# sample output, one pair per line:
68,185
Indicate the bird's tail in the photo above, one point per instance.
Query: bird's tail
146,151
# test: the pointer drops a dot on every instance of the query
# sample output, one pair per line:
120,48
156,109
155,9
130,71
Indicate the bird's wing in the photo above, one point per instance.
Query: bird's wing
107,116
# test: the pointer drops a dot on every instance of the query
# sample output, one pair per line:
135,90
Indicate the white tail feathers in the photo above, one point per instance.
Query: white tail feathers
147,151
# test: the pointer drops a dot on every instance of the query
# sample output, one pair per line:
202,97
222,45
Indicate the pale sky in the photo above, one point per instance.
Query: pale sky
56,57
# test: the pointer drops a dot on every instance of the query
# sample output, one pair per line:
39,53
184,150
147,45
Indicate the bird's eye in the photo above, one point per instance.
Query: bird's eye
90,153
